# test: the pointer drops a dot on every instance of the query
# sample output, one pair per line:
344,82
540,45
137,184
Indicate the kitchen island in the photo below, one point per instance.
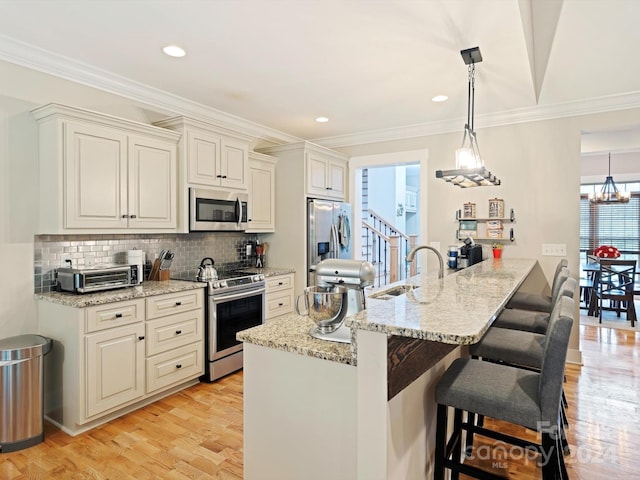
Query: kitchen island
315,409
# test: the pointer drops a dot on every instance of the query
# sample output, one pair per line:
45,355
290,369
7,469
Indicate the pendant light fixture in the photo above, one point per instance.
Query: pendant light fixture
609,193
470,170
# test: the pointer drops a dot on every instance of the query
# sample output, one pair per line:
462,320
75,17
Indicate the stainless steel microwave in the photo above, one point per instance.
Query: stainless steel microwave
215,210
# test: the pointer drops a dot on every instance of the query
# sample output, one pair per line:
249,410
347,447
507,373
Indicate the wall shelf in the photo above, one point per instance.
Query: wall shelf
469,227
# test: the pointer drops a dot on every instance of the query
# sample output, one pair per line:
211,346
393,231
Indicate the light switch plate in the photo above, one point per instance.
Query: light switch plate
554,249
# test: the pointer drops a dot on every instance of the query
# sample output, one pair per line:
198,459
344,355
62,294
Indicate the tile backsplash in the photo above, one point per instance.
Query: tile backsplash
228,249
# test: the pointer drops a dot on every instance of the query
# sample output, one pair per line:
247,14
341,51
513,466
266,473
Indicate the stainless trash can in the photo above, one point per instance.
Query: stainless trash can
21,391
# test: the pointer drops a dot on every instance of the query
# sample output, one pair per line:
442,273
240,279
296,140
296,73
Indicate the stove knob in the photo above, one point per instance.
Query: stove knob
223,283
215,284
256,278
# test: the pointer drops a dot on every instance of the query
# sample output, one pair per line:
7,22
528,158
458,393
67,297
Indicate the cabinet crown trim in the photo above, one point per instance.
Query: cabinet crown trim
56,110
308,146
182,122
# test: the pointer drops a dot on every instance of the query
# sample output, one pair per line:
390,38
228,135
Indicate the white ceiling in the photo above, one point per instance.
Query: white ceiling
369,65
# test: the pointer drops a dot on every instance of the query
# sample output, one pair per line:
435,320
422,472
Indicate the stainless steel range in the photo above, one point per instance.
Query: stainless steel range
235,302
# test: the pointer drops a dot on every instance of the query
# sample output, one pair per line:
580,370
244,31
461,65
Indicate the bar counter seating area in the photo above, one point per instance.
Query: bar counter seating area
412,394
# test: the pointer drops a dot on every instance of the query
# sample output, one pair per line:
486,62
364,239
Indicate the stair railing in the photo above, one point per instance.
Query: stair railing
386,247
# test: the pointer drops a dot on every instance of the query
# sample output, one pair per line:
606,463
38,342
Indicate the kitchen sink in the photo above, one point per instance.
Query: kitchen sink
393,292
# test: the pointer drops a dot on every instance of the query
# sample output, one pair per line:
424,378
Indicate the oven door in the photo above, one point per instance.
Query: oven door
230,313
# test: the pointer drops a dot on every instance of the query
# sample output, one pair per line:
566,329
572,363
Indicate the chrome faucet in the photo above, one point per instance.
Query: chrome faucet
414,250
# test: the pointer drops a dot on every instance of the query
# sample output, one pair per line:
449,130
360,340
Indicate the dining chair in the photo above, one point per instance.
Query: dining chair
615,283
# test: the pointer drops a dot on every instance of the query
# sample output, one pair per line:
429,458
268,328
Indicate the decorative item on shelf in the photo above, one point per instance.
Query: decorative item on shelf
497,249
609,193
469,210
606,251
470,170
496,208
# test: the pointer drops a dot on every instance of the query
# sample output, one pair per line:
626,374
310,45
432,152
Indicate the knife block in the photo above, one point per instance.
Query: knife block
157,274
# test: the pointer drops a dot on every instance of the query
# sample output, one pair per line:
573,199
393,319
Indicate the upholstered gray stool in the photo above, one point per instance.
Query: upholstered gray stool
536,301
529,320
511,394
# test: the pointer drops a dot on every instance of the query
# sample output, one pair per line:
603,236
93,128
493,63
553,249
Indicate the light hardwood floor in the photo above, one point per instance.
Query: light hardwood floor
197,433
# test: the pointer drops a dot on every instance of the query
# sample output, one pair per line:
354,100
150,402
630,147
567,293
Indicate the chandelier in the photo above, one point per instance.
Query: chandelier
470,170
609,193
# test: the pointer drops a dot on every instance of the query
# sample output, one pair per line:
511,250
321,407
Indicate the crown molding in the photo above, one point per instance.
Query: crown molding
26,55
537,113
35,58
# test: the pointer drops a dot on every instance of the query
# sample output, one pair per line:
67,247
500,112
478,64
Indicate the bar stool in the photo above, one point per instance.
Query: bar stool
511,394
532,321
520,348
536,301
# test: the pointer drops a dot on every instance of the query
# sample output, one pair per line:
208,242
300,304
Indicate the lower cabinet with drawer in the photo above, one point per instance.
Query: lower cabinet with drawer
279,296
110,359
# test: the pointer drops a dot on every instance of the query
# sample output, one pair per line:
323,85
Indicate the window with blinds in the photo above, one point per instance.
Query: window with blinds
611,224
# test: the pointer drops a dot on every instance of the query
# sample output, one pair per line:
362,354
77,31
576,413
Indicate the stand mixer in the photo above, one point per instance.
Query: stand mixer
354,275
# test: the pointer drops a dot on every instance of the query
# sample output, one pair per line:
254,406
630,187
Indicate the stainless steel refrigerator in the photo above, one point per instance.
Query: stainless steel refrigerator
328,233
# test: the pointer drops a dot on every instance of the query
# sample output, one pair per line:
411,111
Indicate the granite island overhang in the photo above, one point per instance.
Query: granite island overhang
365,410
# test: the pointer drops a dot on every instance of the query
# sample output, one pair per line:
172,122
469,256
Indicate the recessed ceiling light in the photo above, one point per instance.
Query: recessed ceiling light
322,119
440,98
174,51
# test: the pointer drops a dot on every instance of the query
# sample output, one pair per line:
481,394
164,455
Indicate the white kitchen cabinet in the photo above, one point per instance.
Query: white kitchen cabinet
100,173
175,347
296,162
209,156
326,176
110,359
279,296
114,368
261,206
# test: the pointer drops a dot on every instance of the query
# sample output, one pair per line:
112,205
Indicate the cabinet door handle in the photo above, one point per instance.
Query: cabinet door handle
125,215
118,315
178,304
218,176
179,366
141,337
329,188
280,304
224,176
178,332
280,283
132,216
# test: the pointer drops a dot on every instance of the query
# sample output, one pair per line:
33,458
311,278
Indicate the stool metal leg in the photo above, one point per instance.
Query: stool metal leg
441,440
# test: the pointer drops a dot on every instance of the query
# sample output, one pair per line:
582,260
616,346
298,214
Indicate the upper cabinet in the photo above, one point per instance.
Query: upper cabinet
324,170
208,156
211,156
100,173
326,175
261,208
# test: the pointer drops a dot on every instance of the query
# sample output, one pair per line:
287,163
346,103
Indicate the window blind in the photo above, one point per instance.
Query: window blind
611,224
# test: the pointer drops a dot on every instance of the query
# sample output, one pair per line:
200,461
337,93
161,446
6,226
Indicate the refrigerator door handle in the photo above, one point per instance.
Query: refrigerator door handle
334,237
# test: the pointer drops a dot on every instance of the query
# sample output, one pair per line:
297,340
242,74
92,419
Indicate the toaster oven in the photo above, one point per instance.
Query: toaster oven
97,278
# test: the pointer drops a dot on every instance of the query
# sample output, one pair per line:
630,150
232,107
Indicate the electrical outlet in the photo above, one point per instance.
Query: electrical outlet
554,249
66,260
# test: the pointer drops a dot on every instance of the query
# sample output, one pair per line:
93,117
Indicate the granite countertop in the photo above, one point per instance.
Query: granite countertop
457,309
146,289
291,333
268,271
